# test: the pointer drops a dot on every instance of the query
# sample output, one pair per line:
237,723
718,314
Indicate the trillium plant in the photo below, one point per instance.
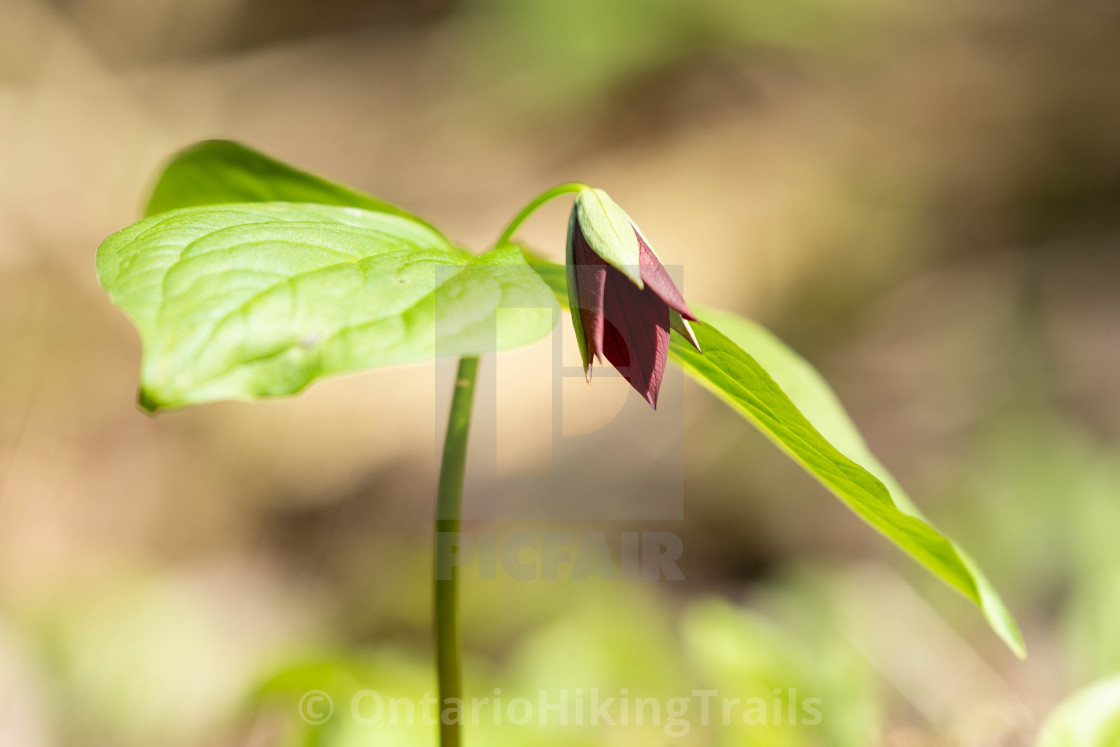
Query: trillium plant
250,279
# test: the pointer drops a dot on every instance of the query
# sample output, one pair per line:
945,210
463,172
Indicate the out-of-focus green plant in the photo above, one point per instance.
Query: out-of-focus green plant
794,691
550,54
1088,718
613,643
142,659
1053,486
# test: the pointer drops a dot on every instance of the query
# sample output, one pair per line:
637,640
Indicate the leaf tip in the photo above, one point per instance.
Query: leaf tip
1017,645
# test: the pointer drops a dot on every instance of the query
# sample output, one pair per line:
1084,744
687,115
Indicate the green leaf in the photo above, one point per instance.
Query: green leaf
217,172
252,300
554,276
1088,718
788,400
785,397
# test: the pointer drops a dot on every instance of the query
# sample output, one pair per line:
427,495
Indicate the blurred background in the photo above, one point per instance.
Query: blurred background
921,198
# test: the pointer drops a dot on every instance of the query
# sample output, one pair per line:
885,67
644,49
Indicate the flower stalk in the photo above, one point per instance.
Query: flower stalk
542,198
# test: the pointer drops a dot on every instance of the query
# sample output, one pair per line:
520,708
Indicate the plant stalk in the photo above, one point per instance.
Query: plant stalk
449,502
542,198
448,508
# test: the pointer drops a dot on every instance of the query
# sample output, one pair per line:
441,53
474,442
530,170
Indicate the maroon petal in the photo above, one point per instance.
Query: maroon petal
591,279
636,334
655,277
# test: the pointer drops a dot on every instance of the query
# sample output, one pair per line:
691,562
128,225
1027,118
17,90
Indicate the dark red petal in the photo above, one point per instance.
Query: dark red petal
655,277
591,279
636,334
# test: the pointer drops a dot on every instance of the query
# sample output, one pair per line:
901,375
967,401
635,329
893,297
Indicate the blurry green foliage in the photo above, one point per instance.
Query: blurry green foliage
151,659
622,640
820,684
552,55
1088,718
1051,487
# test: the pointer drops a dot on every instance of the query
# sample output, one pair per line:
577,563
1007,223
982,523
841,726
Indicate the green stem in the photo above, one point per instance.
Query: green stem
542,198
448,505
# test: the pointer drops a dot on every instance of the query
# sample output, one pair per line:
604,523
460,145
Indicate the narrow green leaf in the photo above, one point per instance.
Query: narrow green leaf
791,403
216,172
785,397
1088,718
252,300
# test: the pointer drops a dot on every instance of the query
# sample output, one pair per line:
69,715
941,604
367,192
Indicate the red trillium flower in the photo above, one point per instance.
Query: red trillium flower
622,300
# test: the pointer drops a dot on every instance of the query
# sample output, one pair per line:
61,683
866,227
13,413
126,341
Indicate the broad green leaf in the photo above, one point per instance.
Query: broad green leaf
791,403
216,172
251,300
1088,718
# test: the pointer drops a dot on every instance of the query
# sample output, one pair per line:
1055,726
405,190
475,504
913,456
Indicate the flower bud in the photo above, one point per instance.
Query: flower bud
622,300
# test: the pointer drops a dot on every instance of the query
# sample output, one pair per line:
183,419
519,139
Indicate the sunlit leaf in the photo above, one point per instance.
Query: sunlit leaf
554,276
785,397
254,300
788,400
1088,718
216,172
